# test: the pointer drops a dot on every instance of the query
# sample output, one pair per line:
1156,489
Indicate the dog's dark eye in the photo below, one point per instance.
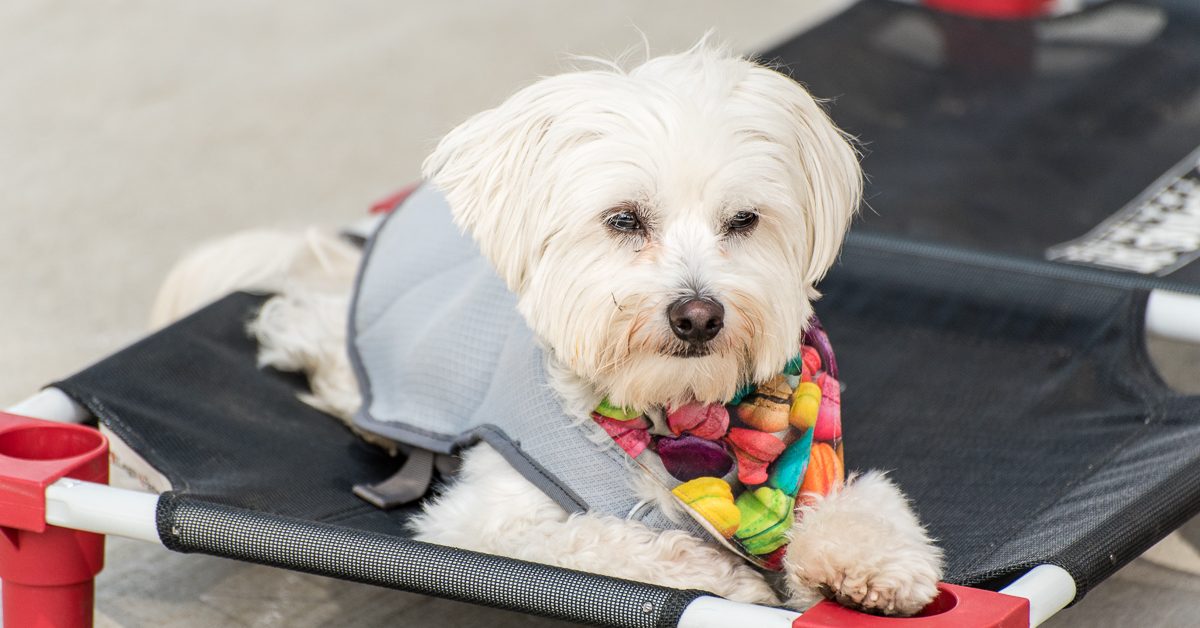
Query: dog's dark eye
624,221
742,221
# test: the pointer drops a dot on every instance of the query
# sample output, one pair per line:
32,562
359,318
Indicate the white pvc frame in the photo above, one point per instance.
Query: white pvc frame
132,514
1174,315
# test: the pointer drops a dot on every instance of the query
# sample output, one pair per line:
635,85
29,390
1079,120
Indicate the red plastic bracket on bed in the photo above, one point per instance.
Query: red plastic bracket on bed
33,455
48,571
996,9
954,607
387,204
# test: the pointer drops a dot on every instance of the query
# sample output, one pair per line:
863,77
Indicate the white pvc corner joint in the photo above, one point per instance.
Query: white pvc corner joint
89,506
1049,589
102,509
1173,315
51,404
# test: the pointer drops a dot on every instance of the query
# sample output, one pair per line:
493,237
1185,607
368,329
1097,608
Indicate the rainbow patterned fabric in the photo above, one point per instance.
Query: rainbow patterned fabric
742,468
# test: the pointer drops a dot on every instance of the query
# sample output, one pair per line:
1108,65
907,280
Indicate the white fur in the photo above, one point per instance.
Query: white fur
688,140
262,259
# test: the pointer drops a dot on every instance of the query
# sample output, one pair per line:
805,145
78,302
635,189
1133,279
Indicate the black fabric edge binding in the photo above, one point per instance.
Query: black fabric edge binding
185,523
164,515
1001,262
673,607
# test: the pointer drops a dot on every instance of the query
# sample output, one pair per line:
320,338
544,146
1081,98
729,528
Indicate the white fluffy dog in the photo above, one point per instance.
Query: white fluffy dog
605,199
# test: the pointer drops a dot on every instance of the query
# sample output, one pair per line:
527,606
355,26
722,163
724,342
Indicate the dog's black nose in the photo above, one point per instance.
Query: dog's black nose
696,320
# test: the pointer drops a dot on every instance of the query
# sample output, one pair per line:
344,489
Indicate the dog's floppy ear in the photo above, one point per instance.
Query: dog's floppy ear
829,179
835,185
491,169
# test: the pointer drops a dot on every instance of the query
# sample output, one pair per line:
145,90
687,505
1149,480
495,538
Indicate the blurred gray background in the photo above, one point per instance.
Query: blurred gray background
131,131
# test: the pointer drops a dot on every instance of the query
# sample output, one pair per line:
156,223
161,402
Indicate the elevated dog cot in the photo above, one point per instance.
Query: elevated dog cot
1014,403
1009,395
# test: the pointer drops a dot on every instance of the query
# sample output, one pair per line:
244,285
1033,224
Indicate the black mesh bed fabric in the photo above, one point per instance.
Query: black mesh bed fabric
1009,136
1012,401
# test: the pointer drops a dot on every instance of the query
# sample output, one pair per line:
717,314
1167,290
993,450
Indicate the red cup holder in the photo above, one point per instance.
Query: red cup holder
996,9
945,602
33,455
49,442
47,570
954,607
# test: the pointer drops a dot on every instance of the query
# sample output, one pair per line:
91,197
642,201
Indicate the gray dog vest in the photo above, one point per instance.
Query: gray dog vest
444,360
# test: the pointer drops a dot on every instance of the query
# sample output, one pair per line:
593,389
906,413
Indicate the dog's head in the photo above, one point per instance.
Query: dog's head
662,227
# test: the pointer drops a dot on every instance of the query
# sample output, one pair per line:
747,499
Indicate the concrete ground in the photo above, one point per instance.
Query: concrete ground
130,131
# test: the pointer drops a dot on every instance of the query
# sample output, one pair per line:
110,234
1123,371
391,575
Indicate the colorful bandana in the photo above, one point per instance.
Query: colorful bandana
742,468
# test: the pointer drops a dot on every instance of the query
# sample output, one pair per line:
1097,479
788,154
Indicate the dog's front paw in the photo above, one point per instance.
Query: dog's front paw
863,548
892,588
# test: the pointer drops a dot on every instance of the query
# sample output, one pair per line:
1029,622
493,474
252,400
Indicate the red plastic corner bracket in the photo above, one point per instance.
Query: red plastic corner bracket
954,607
995,9
48,572
389,203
